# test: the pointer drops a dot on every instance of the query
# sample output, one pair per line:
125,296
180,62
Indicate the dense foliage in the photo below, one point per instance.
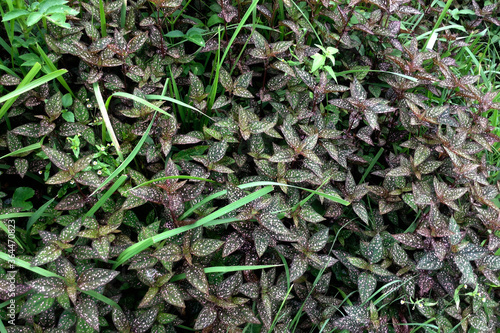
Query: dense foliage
287,166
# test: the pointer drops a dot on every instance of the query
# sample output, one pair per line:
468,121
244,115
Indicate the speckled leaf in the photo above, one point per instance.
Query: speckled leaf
59,178
21,165
49,253
366,285
101,246
70,231
261,240
120,320
9,80
95,277
172,295
48,286
429,261
318,241
272,223
148,193
60,159
421,154
35,304
282,154
204,246
399,255
492,262
242,92
358,262
53,107
206,317
196,276
137,42
472,252
31,130
298,267
375,251
360,210
70,202
310,215
217,151
225,79
169,252
86,309
409,239
465,267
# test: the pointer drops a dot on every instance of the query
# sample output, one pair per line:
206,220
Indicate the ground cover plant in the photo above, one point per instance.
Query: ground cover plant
249,166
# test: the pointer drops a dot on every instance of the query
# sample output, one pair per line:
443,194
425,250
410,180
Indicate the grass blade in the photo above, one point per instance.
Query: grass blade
165,98
129,157
105,197
144,102
53,68
107,121
224,269
144,244
24,150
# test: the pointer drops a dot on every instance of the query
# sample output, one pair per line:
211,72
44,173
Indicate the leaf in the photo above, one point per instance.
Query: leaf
375,250
358,262
93,278
298,267
169,252
20,197
203,246
86,309
48,286
172,294
144,320
206,317
35,304
71,202
217,151
196,276
366,285
318,241
429,261
272,223
60,159
310,215
59,178
49,253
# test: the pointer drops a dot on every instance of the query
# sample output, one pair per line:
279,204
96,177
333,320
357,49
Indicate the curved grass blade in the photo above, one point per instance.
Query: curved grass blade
144,244
105,197
23,150
107,121
224,269
129,158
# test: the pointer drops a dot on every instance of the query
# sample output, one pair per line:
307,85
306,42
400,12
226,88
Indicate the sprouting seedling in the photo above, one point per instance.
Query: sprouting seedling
320,60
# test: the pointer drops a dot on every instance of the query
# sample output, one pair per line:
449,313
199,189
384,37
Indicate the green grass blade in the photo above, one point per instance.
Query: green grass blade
344,73
144,244
23,150
240,26
438,22
53,68
4,228
224,269
27,79
36,215
172,177
169,99
105,197
26,265
261,183
107,121
372,164
29,86
142,101
129,158
103,299
102,16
